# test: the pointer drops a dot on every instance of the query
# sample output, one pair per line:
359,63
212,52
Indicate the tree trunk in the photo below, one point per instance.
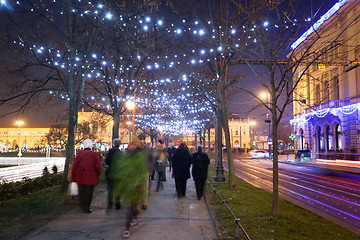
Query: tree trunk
70,146
115,129
275,202
225,124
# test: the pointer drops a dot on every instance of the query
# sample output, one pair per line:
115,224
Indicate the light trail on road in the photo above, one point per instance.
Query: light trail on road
332,195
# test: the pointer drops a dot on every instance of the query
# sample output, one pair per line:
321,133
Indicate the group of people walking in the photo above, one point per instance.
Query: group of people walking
129,174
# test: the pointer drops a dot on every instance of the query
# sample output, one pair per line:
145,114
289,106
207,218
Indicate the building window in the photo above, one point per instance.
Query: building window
11,133
328,138
319,142
326,91
317,94
335,86
338,143
301,139
236,133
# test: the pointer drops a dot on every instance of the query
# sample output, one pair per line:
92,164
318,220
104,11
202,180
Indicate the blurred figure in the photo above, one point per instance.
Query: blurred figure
86,172
110,159
130,174
200,163
171,151
181,168
147,152
160,155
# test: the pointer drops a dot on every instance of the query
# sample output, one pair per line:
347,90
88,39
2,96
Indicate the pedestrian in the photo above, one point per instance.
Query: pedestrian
171,151
147,152
110,161
181,168
85,172
130,174
161,157
200,163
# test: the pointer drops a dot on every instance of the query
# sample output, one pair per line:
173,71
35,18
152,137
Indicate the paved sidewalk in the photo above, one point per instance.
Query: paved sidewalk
166,218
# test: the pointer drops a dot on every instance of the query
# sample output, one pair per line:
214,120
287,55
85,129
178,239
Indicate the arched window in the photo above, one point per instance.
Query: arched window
236,144
319,142
328,138
301,139
338,143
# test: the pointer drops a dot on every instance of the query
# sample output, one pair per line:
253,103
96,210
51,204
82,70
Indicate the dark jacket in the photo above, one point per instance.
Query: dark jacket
200,163
109,158
181,163
86,168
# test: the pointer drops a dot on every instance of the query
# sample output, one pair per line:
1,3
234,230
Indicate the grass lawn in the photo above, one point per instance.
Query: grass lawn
20,216
253,206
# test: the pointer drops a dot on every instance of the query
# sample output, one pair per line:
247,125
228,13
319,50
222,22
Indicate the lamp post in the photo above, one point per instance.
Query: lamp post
130,124
130,105
252,131
266,96
19,123
161,130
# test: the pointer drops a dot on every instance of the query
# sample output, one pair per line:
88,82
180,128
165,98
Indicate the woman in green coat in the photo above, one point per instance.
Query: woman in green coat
130,174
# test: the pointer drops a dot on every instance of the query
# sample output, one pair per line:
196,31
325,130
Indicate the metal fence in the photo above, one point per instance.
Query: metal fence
236,220
27,168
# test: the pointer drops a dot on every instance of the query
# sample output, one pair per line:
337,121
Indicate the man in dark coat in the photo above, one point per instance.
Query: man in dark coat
110,184
200,162
181,168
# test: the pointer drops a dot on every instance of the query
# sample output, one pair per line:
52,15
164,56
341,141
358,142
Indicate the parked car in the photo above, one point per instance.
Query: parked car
303,155
259,154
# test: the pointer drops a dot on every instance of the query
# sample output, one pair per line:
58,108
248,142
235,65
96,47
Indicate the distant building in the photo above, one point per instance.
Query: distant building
327,99
23,137
241,133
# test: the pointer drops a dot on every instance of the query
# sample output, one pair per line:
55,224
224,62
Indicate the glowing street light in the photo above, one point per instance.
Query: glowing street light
252,124
266,96
130,105
19,123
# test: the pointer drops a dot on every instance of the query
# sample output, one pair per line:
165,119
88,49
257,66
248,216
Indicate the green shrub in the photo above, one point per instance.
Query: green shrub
11,190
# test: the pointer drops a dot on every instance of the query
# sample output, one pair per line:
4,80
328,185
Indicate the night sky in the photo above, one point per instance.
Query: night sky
45,114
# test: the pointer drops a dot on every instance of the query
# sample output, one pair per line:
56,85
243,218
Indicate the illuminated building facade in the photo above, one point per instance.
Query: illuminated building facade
327,98
241,134
24,137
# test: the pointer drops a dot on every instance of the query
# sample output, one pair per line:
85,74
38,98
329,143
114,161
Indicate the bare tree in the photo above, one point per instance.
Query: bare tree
275,26
119,65
53,60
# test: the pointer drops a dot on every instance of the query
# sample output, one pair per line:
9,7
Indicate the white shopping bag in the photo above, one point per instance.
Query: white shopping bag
73,189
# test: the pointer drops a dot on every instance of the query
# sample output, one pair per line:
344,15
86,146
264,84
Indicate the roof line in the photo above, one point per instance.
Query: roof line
316,25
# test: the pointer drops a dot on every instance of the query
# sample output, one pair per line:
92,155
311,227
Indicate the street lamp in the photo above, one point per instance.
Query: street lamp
161,130
266,96
19,123
252,124
130,124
